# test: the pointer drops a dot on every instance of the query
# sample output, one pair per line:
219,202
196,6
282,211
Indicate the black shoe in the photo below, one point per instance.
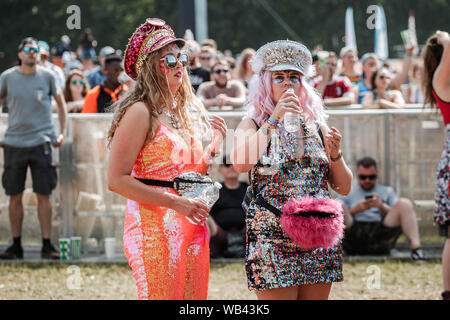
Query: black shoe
49,252
445,295
418,255
13,252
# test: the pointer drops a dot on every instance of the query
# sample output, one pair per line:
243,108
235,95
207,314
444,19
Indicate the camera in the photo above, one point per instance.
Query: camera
369,196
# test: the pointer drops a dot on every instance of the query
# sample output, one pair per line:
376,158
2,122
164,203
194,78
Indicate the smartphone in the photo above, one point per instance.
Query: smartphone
406,38
369,196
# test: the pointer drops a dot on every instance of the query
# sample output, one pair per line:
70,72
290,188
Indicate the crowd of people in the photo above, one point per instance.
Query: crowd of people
91,82
138,85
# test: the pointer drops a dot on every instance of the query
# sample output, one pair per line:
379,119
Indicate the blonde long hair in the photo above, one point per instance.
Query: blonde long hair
151,87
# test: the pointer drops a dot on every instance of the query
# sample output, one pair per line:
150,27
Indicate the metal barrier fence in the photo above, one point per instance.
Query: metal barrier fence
406,143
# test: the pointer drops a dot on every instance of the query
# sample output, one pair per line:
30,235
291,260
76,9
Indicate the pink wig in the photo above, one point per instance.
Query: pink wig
260,100
313,232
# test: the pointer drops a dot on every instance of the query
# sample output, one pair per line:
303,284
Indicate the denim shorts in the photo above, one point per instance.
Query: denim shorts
16,163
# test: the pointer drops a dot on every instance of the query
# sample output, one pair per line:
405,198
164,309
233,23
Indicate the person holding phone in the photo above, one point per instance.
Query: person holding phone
375,217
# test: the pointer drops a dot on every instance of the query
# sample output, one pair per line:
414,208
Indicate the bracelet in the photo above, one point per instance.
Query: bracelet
272,121
337,158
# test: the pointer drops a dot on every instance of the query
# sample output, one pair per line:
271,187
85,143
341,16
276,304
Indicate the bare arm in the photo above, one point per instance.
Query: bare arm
386,104
341,101
127,142
341,176
441,78
62,117
249,145
403,75
368,102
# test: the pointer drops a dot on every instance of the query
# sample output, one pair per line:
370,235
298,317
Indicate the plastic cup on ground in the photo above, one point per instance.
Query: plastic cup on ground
64,249
75,248
110,248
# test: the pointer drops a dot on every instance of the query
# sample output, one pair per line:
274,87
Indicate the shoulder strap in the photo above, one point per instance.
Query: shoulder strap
257,127
321,136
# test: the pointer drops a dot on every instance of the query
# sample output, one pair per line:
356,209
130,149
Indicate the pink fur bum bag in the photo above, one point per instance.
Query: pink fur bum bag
310,223
313,223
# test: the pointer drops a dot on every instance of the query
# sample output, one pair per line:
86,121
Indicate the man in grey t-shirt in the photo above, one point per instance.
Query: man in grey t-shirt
375,217
27,91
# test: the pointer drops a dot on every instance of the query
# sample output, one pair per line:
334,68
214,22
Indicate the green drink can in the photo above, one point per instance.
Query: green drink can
75,248
64,248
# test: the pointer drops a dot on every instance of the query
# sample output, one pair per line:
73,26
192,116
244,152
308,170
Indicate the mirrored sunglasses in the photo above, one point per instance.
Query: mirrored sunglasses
74,82
281,79
28,49
171,61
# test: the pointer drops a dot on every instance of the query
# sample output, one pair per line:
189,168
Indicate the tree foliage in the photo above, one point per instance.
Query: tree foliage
234,24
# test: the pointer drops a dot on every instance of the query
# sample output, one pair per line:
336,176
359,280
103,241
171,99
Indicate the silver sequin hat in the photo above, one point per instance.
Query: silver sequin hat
282,55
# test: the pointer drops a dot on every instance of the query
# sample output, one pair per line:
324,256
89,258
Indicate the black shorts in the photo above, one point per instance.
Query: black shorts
443,230
16,162
370,238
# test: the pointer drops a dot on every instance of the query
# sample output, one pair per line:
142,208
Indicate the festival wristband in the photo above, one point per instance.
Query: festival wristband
272,121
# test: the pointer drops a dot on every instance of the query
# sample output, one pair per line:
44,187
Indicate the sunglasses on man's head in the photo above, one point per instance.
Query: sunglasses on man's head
28,49
74,82
171,61
219,71
365,177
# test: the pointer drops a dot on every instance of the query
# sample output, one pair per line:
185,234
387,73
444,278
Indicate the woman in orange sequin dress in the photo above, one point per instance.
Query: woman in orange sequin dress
154,135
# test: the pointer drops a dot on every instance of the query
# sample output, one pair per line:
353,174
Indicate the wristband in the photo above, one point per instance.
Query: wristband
272,121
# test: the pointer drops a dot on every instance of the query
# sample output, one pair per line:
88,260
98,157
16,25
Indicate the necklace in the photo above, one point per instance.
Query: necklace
173,119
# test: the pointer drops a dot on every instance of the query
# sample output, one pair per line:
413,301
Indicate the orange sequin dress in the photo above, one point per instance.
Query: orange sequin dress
169,255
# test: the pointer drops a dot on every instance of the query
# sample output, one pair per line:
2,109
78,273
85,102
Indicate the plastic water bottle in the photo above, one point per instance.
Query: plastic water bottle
291,120
209,196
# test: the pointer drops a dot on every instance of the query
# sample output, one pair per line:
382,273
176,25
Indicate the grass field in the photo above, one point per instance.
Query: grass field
363,280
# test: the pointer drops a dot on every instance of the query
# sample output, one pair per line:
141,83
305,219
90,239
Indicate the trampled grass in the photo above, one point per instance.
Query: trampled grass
391,280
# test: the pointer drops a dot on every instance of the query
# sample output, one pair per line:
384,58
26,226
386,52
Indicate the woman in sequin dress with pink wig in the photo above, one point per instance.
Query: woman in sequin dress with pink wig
276,267
154,135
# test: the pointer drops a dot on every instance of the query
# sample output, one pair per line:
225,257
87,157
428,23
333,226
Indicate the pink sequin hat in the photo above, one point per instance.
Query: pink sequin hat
148,37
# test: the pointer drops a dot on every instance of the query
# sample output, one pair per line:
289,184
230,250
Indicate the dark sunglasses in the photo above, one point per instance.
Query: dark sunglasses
74,82
205,58
27,49
219,71
364,177
227,165
171,61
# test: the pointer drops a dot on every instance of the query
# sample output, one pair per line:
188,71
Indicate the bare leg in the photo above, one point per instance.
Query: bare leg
403,214
16,214
446,264
348,218
289,293
45,214
318,291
